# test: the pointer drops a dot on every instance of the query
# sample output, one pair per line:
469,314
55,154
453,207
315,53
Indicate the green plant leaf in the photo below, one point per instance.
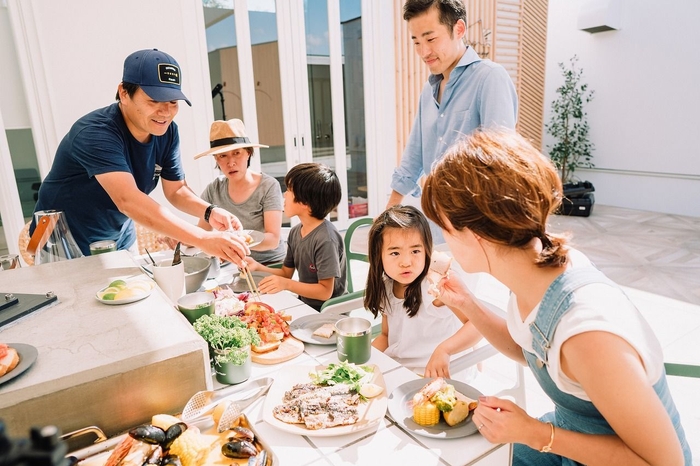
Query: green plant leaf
568,124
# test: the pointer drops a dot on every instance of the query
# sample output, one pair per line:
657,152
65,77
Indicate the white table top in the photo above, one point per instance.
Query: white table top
388,444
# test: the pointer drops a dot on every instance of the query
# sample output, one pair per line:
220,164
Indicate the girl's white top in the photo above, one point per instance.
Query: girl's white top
412,340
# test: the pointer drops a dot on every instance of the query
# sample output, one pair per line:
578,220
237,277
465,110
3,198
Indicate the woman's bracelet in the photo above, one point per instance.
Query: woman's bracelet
547,448
207,213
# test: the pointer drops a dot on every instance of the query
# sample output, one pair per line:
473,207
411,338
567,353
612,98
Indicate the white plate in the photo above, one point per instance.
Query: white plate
370,412
257,237
303,328
133,299
27,356
403,415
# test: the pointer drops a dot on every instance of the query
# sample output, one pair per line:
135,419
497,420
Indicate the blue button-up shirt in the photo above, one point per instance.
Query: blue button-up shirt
478,93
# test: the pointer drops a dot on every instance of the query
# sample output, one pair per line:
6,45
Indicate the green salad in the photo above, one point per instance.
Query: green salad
343,372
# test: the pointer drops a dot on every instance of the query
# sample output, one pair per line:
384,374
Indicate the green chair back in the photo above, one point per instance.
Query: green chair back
350,255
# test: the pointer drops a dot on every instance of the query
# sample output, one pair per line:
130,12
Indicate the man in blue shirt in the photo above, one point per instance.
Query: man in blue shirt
113,157
463,93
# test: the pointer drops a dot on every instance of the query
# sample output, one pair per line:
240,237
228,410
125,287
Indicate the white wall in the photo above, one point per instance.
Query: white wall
13,105
645,114
71,55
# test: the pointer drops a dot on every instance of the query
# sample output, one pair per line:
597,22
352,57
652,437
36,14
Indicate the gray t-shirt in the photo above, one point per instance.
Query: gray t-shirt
267,196
317,256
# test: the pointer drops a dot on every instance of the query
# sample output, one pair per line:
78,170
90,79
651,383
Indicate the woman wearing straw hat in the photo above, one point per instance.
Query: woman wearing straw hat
255,198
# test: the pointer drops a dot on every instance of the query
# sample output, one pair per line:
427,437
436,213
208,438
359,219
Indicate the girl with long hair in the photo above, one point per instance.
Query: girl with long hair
415,331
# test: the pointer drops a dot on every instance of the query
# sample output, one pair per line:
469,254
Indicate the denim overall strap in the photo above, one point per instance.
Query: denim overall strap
555,303
573,413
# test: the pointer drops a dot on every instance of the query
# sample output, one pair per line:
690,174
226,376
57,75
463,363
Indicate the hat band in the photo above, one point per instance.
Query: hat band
228,141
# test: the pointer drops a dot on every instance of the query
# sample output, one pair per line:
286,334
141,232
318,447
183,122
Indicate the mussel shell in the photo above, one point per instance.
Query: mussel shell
155,456
173,432
148,433
171,460
258,460
241,433
238,449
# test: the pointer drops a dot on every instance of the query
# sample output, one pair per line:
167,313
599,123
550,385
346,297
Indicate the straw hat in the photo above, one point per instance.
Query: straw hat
227,135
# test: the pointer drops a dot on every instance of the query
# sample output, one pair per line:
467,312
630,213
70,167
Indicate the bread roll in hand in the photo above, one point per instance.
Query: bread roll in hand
439,268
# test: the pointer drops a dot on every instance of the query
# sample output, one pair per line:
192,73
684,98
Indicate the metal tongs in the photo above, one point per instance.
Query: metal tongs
203,403
245,271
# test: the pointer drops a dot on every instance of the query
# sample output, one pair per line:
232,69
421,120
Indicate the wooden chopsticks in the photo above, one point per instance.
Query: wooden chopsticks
251,283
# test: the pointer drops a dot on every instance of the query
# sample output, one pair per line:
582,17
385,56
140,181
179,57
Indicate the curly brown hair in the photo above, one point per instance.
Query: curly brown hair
497,185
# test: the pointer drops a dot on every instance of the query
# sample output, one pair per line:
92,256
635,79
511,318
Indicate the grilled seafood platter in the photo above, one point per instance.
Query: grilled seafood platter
169,441
313,401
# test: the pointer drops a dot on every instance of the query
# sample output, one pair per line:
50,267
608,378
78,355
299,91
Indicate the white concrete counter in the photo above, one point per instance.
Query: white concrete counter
107,365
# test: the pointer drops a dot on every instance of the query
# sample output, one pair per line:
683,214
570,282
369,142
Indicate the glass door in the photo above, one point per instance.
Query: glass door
304,97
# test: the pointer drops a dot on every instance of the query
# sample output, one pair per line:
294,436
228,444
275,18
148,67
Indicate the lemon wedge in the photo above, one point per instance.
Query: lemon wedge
370,390
108,296
125,293
119,284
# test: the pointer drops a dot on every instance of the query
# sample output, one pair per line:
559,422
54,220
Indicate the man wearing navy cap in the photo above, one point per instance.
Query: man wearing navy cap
113,157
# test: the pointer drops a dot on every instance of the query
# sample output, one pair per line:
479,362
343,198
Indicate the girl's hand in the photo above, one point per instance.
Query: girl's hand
438,365
502,421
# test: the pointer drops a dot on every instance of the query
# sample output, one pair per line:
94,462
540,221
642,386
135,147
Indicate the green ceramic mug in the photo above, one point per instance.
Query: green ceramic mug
195,305
100,247
354,339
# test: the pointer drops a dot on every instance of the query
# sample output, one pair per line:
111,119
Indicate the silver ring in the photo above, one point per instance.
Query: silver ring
479,428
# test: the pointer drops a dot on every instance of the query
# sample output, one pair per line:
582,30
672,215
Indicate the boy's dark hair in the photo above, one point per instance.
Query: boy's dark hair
451,11
130,89
402,218
316,186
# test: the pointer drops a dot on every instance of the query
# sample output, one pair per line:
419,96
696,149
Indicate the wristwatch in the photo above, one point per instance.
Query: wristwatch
207,213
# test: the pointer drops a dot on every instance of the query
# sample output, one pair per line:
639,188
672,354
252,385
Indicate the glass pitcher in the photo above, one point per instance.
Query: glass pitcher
52,240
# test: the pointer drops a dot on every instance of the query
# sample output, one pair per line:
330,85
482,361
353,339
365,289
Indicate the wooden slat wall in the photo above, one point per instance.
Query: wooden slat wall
411,74
532,69
512,33
507,38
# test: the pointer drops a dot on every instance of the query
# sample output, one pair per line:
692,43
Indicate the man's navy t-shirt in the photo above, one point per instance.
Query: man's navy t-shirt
100,142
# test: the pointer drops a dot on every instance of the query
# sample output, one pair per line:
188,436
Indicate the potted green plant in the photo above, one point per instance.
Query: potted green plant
230,339
573,148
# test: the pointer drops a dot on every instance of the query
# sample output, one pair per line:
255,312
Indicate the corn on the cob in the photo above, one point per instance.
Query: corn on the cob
190,446
426,413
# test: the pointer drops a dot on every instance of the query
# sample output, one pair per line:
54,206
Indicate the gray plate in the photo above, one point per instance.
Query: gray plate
304,327
403,415
27,356
240,284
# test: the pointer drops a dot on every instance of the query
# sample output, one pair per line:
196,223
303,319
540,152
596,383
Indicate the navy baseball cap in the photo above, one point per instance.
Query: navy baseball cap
157,73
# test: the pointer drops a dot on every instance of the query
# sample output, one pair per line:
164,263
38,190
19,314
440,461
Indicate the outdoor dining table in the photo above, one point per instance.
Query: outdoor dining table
388,444
90,356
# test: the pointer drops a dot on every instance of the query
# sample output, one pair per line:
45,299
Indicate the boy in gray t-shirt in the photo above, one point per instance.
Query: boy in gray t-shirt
314,247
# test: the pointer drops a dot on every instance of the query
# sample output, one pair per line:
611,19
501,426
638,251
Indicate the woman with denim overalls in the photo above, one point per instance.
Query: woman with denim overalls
589,348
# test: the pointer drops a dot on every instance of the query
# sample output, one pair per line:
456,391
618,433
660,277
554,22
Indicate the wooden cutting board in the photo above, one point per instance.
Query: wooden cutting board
289,349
